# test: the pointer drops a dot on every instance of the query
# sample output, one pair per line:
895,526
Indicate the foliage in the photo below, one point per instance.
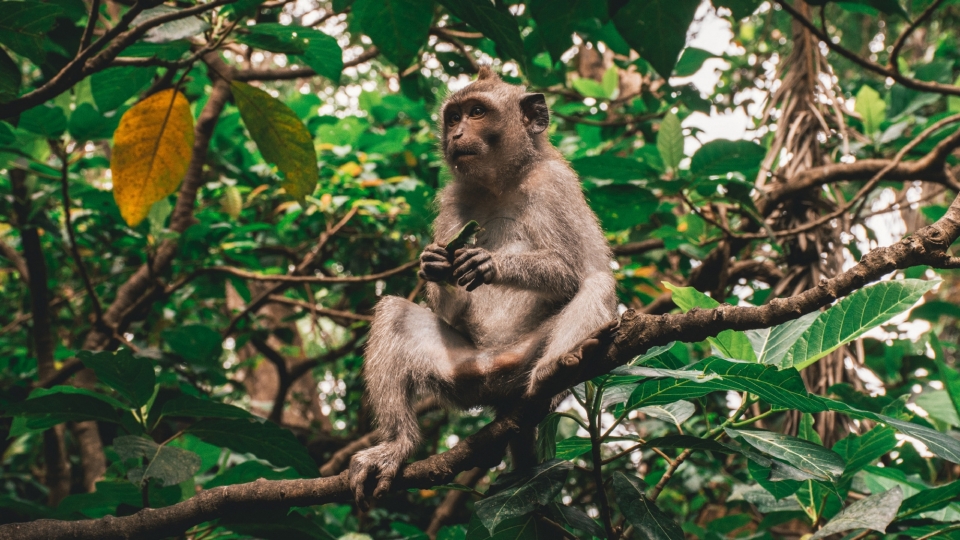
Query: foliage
202,203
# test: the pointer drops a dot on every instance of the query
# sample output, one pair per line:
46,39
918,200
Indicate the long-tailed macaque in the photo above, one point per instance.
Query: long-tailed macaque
536,286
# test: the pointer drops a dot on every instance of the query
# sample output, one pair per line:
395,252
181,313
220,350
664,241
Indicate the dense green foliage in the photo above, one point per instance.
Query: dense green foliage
315,123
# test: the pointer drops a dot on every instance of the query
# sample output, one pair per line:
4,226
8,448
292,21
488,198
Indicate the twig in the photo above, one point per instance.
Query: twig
301,73
892,63
61,153
284,278
327,312
91,25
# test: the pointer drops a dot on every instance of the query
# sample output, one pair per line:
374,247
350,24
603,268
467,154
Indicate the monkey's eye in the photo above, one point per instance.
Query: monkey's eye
453,119
477,111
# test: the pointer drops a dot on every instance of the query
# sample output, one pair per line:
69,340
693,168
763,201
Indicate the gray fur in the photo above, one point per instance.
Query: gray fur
547,282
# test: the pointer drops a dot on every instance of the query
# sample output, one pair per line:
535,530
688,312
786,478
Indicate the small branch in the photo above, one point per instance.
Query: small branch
68,222
332,313
285,278
92,19
20,265
597,459
892,63
622,121
638,248
248,75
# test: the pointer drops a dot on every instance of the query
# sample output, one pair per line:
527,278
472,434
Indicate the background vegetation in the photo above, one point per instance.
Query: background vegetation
200,204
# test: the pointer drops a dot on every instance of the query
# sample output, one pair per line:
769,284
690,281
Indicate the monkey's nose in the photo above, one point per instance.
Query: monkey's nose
457,135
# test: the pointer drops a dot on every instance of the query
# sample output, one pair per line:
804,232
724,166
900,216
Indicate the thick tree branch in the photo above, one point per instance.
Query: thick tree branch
636,334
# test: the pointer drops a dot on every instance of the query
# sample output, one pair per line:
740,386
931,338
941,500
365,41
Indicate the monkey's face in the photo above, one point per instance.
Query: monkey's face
471,133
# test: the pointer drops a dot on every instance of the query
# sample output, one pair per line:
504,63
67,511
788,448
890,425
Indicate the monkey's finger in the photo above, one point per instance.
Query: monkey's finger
435,268
462,267
437,250
383,487
464,255
467,280
478,281
433,256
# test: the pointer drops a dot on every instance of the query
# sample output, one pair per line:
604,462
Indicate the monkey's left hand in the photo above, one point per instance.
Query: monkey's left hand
472,267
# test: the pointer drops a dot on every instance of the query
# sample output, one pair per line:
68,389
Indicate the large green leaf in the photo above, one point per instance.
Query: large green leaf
675,413
862,450
45,119
191,406
397,27
10,77
783,388
196,343
806,456
281,137
47,408
88,124
572,447
622,206
526,527
657,29
948,376
721,156
670,141
852,317
534,488
609,167
112,87
871,108
168,464
494,22
930,499
731,344
316,49
24,25
647,519
562,23
774,342
941,444
875,513
262,439
131,376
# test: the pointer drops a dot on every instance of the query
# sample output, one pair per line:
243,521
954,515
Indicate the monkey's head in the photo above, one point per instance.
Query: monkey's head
491,130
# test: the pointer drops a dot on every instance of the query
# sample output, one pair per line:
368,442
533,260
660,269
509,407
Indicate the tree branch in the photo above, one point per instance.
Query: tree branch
286,278
248,75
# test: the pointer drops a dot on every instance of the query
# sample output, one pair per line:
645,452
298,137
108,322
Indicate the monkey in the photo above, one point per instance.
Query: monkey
536,285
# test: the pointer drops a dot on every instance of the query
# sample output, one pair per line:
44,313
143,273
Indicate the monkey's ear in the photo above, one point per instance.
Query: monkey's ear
536,117
485,73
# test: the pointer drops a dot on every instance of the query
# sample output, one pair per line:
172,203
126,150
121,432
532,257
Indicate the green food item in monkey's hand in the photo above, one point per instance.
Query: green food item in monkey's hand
460,240
463,237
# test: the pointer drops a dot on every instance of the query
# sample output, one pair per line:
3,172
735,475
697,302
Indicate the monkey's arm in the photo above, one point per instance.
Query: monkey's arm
541,270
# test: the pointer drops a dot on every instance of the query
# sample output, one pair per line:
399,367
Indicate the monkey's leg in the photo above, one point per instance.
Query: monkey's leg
588,321
411,351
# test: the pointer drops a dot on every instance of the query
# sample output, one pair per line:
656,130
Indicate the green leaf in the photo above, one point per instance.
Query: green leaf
589,88
739,8
949,377
526,527
771,344
676,413
87,124
568,449
195,343
183,28
691,61
852,317
938,405
574,518
784,388
647,519
47,408
941,444
249,471
862,450
688,441
657,29
281,137
493,22
875,512
131,376
47,120
264,440
929,500
112,87
547,437
780,488
168,464
24,25
537,487
670,141
731,344
953,102
314,48
195,407
7,135
622,206
397,27
562,23
611,82
610,167
871,108
810,458
10,78
720,156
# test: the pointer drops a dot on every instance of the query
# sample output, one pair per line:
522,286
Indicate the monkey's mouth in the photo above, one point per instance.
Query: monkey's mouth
459,153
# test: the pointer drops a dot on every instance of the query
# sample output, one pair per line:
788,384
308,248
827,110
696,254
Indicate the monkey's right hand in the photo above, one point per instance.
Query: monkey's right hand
378,465
435,264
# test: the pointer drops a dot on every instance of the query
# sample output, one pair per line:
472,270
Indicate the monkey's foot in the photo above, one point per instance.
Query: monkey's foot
543,372
379,464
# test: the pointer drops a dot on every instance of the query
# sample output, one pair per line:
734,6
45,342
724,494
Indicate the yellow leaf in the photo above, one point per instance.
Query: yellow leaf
351,168
373,182
151,151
